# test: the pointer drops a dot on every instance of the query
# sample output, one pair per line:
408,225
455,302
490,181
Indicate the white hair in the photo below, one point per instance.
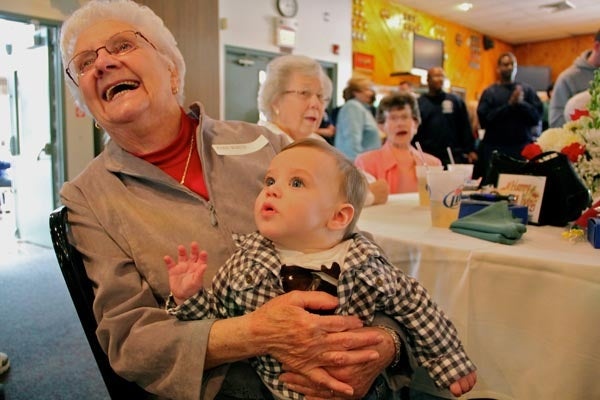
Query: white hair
139,16
279,71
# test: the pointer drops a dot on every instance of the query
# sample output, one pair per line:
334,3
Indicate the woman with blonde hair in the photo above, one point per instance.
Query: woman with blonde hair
356,128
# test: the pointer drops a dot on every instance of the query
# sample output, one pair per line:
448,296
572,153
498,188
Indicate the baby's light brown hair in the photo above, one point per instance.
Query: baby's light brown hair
353,184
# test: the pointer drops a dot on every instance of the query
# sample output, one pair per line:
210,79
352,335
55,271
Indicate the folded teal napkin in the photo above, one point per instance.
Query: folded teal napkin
494,223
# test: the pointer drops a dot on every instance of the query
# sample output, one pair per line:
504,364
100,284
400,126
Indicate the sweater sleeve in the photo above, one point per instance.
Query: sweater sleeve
560,95
130,318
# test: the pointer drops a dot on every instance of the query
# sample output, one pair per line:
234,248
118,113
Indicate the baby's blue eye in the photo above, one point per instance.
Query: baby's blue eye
269,181
296,182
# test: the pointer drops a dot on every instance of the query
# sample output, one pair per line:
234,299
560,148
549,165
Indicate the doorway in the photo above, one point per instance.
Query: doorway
31,125
244,69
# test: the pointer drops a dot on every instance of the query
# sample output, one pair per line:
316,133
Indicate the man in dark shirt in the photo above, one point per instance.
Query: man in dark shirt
444,123
510,112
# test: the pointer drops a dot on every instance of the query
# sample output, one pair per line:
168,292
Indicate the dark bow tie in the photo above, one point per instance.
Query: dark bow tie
294,277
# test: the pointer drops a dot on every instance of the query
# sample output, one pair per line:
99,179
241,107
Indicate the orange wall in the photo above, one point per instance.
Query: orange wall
557,54
467,65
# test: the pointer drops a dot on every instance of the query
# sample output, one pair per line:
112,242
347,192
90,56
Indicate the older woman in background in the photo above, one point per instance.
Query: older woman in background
397,159
293,98
356,128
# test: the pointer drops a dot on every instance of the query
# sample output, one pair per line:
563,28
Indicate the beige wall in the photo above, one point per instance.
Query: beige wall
195,25
321,25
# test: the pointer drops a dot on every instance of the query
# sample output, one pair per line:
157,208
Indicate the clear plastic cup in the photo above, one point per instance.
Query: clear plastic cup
445,190
467,169
422,182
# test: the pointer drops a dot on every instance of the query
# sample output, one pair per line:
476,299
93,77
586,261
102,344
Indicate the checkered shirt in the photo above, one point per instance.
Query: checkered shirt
368,284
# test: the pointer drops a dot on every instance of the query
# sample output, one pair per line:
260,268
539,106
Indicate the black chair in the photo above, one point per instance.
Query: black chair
80,289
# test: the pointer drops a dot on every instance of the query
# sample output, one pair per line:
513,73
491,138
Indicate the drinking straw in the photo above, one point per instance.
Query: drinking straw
421,154
450,155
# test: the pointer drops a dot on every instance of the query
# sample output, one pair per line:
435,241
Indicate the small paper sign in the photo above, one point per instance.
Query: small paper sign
528,190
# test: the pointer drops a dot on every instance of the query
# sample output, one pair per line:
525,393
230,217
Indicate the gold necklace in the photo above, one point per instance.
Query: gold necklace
187,163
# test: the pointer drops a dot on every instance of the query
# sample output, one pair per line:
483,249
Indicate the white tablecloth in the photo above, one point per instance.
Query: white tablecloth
528,314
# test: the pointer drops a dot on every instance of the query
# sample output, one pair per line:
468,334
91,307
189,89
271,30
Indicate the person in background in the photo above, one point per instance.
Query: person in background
372,107
165,163
293,98
327,128
306,214
4,366
474,120
573,80
346,95
510,112
4,363
397,159
444,123
407,87
356,129
546,103
5,182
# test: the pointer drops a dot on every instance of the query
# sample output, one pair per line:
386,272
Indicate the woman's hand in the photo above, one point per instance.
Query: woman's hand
380,190
328,131
359,376
310,344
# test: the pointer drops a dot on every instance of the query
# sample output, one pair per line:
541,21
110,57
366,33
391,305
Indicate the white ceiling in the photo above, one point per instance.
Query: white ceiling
516,21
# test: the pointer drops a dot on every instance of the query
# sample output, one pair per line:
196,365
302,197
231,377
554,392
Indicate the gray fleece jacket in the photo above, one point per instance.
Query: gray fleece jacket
126,214
571,81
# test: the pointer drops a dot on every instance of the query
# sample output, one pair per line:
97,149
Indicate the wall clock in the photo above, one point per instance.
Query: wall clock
287,8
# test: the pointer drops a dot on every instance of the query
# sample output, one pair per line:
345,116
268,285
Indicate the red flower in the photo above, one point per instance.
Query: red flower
531,150
573,151
576,114
589,213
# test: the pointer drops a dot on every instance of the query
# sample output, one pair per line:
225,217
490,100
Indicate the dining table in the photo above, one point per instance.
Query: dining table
528,314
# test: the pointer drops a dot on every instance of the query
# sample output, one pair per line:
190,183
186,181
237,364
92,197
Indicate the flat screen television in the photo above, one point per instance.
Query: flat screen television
427,52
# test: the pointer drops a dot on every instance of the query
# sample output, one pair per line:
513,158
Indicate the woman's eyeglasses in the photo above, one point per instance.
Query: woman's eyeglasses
307,94
117,45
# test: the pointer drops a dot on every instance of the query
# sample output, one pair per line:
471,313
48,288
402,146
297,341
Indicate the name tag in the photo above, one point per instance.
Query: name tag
238,149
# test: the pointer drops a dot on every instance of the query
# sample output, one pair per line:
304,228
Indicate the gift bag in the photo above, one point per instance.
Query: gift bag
565,194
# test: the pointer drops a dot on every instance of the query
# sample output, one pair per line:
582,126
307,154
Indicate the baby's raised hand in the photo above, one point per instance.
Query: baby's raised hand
186,276
464,384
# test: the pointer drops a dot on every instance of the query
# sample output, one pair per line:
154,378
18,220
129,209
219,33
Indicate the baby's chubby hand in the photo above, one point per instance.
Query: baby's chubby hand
186,276
464,384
